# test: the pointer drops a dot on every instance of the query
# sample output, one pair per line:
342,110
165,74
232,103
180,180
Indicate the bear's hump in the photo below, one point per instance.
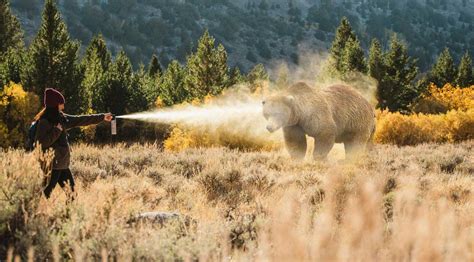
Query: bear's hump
300,88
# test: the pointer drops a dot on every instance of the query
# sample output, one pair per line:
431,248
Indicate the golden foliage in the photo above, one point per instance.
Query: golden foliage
456,124
159,103
182,138
441,100
17,108
398,129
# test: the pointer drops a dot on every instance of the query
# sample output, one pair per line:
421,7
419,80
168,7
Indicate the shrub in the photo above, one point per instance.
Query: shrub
398,129
440,100
182,138
21,187
17,109
246,205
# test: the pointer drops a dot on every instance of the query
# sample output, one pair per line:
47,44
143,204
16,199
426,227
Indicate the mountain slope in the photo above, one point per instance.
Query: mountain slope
260,30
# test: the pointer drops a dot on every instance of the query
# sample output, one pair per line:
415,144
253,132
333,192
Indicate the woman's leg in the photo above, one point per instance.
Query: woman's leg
67,176
55,176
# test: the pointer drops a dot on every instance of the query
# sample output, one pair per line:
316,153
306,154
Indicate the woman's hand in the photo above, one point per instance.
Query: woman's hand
59,126
108,117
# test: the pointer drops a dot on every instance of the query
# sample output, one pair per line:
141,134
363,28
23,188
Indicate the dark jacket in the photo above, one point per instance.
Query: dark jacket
49,136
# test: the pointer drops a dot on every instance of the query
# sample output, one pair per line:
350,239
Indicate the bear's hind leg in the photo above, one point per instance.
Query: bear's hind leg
355,146
295,141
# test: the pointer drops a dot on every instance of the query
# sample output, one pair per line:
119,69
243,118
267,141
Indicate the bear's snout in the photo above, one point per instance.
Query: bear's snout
270,128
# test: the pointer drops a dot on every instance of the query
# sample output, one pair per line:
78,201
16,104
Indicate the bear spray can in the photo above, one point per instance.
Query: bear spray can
113,125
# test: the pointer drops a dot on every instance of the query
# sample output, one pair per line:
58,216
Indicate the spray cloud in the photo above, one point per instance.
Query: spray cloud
233,119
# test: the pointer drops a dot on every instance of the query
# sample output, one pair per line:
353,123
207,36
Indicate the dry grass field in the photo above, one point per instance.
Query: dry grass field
396,203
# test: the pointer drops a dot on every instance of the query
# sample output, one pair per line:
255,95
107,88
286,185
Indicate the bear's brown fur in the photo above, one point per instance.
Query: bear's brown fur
336,114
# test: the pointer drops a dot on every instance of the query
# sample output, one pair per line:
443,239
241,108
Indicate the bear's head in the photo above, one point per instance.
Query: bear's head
278,110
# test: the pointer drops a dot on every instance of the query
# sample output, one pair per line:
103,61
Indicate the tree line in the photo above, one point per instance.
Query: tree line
97,82
399,82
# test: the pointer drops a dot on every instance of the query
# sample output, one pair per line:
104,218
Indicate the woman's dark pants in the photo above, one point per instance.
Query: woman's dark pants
59,176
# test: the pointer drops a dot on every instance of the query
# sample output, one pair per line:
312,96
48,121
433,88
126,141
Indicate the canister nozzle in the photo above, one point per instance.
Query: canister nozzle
113,125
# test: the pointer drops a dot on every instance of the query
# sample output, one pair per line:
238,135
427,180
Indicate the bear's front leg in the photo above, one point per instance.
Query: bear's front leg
295,141
322,145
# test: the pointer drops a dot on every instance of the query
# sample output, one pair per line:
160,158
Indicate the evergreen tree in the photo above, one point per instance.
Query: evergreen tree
154,68
375,63
235,76
207,70
151,88
11,35
172,89
353,59
395,89
11,46
137,99
294,12
344,34
52,61
98,47
256,77
443,71
11,64
282,80
465,77
263,5
95,84
120,79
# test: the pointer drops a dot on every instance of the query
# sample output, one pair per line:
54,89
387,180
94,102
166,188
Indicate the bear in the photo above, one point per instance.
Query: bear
334,114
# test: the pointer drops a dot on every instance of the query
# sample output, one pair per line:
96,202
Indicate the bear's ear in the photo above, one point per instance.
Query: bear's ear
289,99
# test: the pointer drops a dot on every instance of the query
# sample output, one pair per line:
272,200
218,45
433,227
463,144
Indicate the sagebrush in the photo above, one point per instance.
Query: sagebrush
409,203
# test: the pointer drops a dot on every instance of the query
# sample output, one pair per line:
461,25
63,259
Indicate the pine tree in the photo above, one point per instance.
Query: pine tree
375,63
207,70
344,33
154,68
353,59
11,46
11,35
465,77
294,12
396,88
137,98
151,88
98,47
172,89
95,83
120,79
282,78
256,77
52,61
235,76
443,71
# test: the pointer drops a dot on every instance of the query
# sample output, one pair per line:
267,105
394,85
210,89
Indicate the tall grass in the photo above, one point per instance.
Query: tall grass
410,203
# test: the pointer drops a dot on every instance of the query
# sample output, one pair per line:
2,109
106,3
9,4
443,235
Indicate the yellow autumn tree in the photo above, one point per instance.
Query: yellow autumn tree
17,108
441,100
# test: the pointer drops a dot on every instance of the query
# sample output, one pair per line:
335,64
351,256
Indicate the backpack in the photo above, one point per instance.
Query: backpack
30,141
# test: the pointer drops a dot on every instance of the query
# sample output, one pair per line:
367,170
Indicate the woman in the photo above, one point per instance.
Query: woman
51,133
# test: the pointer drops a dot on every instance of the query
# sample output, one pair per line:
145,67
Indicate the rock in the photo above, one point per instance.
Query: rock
156,217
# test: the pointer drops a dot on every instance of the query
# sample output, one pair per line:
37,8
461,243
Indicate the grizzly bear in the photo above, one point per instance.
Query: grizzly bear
335,114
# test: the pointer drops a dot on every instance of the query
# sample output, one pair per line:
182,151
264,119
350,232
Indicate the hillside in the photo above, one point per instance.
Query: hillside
260,30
